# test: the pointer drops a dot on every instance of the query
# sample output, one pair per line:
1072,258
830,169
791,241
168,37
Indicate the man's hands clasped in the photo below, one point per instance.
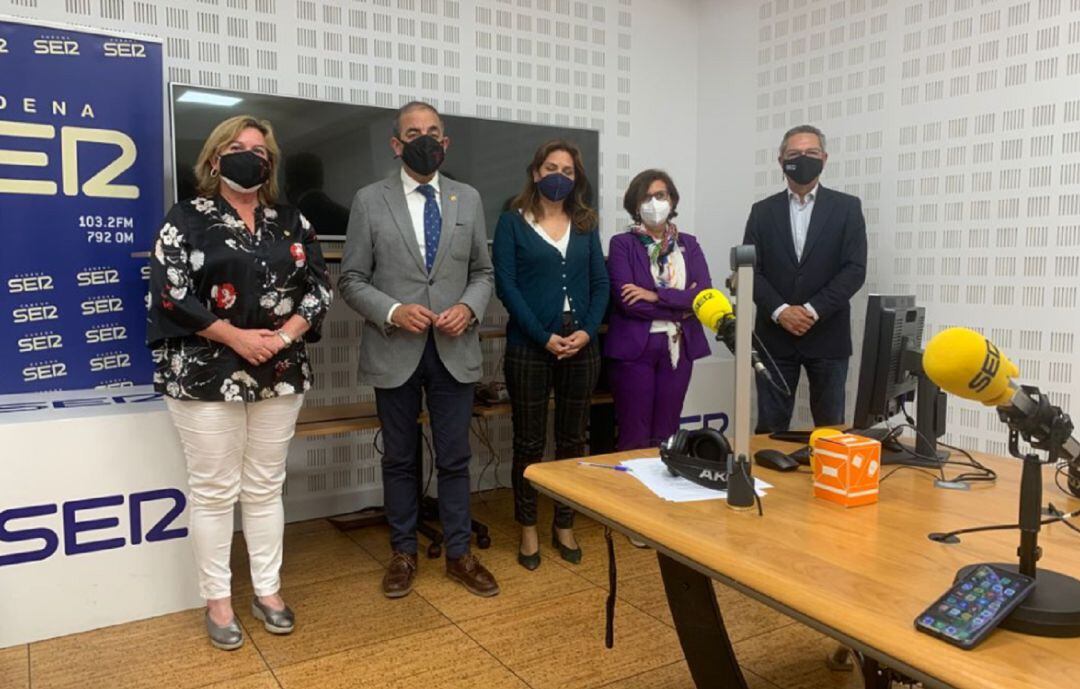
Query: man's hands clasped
417,318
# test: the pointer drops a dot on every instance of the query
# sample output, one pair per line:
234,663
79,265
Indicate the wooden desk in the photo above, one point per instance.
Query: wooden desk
860,575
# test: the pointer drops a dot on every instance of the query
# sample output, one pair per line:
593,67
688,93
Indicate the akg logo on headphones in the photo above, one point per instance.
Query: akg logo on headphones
713,474
990,365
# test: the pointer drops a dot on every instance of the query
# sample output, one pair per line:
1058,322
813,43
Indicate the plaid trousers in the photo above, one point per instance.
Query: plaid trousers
531,373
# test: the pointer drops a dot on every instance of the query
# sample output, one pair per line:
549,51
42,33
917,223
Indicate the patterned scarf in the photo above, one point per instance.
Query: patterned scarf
658,250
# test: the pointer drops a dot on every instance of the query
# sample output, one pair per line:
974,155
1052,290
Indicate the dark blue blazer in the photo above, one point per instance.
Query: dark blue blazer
532,280
830,272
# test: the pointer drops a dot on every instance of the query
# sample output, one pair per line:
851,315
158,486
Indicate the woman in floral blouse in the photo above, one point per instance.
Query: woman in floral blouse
237,285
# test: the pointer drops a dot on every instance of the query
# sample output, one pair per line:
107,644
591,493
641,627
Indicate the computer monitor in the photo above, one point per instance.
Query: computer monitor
891,374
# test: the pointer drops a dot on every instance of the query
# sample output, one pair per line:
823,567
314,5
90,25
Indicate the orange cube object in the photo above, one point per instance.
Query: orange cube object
847,469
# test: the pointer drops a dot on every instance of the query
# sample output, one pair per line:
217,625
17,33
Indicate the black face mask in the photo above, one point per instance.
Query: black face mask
244,171
423,155
804,169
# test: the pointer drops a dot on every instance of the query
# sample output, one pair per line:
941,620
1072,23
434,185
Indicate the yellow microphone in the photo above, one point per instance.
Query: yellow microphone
964,363
714,311
711,308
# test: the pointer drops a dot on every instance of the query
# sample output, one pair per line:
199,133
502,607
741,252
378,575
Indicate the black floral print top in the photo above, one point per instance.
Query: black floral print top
206,265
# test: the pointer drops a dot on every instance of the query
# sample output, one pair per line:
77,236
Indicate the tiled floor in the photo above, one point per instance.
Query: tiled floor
545,630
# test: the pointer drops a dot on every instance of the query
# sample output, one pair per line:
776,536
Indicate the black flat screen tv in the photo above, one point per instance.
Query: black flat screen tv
329,150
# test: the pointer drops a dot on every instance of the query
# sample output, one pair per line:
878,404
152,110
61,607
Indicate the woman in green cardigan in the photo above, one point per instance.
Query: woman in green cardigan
550,275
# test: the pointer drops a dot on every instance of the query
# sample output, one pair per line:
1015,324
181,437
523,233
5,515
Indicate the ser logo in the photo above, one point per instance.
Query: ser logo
56,46
98,401
115,384
990,365
115,49
101,184
34,313
706,421
40,342
97,276
109,362
93,307
106,333
46,371
29,283
44,538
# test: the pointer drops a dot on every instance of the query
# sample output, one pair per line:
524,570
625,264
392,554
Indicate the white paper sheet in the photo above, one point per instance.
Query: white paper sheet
656,477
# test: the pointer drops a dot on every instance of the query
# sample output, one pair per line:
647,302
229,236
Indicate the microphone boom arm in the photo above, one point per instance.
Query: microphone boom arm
1040,423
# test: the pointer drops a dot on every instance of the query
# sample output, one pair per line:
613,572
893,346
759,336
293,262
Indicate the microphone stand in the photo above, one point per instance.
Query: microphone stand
1053,608
741,493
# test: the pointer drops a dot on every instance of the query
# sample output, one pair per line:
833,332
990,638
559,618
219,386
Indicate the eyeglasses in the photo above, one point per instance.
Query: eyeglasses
661,195
414,134
792,154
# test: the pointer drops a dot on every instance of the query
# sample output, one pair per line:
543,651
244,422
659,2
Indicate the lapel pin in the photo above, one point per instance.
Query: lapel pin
453,197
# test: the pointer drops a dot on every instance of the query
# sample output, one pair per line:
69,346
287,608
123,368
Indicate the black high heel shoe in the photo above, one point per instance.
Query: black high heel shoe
571,555
529,562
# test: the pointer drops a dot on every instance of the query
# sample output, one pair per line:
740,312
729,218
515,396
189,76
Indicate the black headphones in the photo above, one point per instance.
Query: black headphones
701,456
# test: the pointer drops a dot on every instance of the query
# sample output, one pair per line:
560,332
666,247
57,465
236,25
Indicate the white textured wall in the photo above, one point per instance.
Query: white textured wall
628,68
958,123
614,65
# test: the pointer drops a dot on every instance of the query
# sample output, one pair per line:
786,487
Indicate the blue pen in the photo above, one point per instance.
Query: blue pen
616,467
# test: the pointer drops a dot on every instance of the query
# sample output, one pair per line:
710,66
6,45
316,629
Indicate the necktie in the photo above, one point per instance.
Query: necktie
432,224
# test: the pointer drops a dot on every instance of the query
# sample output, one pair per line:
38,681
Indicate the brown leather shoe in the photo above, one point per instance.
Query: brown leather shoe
467,571
400,573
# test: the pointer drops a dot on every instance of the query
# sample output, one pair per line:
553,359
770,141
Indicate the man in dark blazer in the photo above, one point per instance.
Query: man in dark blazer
417,268
811,259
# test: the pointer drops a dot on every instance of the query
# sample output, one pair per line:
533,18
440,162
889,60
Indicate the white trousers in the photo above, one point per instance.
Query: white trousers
236,451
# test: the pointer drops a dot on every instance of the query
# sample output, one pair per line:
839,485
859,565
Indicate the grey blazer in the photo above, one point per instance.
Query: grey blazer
382,266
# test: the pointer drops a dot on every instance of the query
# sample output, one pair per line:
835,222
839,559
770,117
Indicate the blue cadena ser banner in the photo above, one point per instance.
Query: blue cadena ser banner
81,190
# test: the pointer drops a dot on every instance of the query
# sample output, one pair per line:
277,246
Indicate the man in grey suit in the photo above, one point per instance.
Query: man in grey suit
417,268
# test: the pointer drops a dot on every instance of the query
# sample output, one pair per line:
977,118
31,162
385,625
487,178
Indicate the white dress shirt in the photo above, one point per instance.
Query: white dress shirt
800,212
559,246
415,201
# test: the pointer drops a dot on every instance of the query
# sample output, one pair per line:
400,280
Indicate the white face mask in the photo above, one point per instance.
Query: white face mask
237,188
654,212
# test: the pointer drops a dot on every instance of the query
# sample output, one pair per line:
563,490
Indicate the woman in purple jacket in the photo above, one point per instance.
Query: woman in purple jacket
653,337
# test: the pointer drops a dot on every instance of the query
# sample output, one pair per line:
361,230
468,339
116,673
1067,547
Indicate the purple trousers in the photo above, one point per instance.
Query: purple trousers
649,394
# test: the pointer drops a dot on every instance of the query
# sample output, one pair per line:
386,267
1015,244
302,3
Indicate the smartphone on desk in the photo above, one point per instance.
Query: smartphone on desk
976,603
